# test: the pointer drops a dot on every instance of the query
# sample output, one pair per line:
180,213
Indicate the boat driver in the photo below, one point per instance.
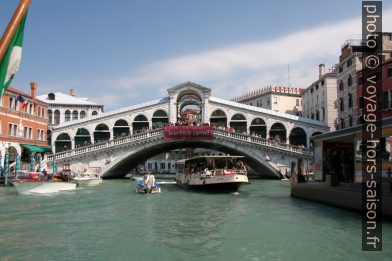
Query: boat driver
149,181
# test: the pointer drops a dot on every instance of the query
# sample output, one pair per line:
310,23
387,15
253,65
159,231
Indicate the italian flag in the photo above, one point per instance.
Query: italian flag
9,65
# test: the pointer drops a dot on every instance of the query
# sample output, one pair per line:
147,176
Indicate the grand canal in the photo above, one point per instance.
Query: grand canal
112,222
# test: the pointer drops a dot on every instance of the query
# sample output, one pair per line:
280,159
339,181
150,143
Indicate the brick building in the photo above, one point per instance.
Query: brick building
23,124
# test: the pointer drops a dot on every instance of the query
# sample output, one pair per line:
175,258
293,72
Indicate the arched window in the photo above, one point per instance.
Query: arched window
67,115
341,104
56,117
50,116
341,85
350,100
75,115
94,113
82,114
350,80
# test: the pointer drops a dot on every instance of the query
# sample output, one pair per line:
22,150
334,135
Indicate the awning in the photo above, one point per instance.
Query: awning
40,149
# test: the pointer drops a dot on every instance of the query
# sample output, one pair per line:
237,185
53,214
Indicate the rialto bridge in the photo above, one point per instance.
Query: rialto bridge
111,143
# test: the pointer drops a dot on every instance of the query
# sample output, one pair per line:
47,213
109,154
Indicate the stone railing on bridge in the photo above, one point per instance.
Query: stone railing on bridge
159,133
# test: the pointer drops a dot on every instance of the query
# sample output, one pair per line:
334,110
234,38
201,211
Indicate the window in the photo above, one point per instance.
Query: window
11,102
297,102
350,100
162,165
317,115
94,113
351,121
56,117
341,104
275,100
250,104
42,112
340,69
350,80
316,86
38,137
311,90
12,129
50,116
322,83
341,85
349,62
30,133
75,115
82,114
39,111
389,72
149,166
25,132
67,115
341,123
31,108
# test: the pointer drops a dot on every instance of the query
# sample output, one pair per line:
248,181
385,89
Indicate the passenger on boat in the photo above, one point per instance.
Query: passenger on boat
149,182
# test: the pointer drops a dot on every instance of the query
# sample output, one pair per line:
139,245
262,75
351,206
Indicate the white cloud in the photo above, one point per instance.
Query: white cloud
233,70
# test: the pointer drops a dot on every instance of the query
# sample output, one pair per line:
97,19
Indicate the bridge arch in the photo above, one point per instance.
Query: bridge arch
239,123
298,137
123,164
82,137
101,133
63,142
258,127
278,131
140,122
159,117
120,128
219,117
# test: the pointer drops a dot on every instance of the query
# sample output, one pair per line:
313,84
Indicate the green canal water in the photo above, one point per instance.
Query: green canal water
112,222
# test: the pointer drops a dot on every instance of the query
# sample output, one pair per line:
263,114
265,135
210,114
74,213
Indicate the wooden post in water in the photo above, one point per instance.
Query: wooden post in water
12,26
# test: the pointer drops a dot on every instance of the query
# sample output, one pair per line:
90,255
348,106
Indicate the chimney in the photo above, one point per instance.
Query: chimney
71,92
33,86
321,69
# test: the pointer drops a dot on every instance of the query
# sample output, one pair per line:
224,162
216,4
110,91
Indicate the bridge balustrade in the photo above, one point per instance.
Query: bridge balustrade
159,132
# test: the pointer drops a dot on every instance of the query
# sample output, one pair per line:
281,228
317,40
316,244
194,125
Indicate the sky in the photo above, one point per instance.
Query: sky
124,52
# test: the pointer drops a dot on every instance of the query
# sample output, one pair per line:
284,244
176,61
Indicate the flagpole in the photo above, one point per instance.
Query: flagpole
13,24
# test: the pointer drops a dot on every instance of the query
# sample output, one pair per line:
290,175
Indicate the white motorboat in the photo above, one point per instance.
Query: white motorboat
35,182
87,181
216,173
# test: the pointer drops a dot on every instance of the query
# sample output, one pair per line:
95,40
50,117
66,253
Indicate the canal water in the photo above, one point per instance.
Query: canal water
112,222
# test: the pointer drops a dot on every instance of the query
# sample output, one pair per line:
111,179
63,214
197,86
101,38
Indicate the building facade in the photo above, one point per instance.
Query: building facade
350,63
23,124
278,98
383,78
320,98
69,107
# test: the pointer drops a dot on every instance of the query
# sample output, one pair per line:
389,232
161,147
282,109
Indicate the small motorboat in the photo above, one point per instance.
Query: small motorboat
38,183
142,188
87,181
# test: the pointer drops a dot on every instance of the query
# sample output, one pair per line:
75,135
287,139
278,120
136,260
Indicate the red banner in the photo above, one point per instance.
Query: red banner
188,133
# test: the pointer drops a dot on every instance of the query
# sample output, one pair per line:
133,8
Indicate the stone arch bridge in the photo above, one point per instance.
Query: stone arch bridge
112,142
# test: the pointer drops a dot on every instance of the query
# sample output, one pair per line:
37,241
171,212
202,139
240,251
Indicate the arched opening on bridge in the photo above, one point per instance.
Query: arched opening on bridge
120,129
278,132
82,138
219,118
63,142
189,106
258,127
159,118
297,137
238,123
140,123
101,133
